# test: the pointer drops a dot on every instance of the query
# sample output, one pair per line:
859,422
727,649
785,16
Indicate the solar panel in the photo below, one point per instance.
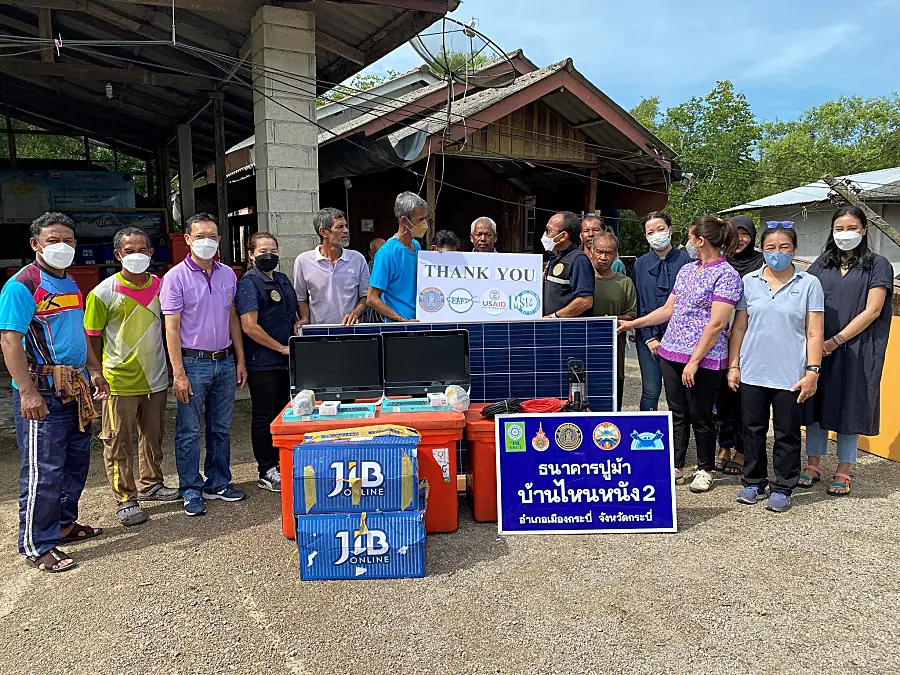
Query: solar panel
525,359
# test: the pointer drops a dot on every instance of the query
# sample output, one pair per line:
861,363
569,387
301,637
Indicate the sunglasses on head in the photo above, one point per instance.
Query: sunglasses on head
784,224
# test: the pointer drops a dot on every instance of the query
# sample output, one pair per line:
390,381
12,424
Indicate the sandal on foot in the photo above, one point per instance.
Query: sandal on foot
721,462
51,562
733,468
810,476
840,485
81,532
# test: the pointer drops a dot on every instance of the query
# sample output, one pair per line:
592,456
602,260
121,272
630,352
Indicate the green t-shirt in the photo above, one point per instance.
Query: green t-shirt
129,319
616,296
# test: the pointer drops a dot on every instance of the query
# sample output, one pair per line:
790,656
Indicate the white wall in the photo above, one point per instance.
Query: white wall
814,224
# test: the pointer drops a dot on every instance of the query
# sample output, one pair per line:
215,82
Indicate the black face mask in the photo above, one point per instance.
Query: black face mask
266,262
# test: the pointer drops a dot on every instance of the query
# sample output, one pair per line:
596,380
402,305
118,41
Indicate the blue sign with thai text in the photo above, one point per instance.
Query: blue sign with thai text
582,473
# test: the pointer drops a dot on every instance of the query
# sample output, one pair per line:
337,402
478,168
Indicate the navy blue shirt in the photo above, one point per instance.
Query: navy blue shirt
654,278
275,300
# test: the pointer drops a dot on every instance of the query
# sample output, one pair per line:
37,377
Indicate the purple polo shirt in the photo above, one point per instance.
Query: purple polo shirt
204,302
331,290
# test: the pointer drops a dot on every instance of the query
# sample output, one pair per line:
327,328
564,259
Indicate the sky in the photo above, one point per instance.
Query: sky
785,55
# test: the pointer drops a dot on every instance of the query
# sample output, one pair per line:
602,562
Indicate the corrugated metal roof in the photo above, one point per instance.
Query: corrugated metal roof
881,184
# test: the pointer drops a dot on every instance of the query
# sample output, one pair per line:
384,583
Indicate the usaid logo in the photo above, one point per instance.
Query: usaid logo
526,302
364,549
494,302
460,300
369,474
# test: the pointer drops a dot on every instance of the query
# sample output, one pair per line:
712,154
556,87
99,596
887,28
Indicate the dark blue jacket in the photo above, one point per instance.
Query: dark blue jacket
653,278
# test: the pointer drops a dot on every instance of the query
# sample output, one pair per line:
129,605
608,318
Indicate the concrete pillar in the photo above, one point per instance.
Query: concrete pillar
286,145
185,172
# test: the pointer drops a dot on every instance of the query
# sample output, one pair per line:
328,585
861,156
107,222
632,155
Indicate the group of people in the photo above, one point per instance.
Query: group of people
66,353
741,336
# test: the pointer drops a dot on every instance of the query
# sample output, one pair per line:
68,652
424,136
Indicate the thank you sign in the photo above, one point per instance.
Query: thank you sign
581,473
457,287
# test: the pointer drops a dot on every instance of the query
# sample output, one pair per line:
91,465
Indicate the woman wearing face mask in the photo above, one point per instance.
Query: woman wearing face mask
730,458
857,285
694,351
267,303
653,275
782,305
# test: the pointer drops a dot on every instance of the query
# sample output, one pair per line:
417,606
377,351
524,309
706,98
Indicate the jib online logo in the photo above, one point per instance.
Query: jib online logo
369,548
370,475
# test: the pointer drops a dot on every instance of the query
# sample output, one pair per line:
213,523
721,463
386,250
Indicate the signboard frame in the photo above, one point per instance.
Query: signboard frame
559,509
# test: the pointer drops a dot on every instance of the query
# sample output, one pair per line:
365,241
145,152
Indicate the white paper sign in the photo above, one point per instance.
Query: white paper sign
453,286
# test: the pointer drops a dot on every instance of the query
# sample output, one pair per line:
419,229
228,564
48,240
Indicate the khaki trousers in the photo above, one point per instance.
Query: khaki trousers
121,414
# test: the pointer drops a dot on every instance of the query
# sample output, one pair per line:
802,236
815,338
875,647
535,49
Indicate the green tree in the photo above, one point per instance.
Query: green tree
359,82
846,136
457,63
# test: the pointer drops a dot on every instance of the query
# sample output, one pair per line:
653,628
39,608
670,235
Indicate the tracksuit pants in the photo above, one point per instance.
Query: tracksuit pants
55,457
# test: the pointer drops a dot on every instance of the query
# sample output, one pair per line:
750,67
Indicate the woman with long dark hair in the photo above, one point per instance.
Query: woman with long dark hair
694,350
784,306
267,303
730,458
857,284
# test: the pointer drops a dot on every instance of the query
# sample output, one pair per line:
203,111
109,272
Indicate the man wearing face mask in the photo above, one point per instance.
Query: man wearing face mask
203,336
392,286
45,350
569,276
123,319
332,280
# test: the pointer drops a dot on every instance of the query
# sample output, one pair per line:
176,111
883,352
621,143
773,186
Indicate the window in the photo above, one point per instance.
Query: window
529,223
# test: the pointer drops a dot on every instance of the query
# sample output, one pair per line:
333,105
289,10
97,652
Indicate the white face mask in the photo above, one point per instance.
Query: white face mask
691,250
136,263
847,241
549,242
659,241
59,256
205,249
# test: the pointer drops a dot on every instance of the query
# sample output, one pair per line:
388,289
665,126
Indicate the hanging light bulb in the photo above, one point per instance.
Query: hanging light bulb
109,92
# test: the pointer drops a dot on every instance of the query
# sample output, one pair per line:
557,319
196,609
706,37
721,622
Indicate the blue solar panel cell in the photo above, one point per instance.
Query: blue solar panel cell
525,359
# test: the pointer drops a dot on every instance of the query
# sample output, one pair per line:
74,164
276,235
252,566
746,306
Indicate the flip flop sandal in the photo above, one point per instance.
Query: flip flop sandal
48,561
810,476
839,488
721,462
80,533
732,468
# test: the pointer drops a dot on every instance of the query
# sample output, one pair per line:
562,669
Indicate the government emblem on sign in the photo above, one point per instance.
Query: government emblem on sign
606,436
431,299
568,436
275,295
558,269
540,442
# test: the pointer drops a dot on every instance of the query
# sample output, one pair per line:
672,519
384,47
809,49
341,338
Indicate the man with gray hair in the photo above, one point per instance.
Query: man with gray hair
392,286
484,235
331,280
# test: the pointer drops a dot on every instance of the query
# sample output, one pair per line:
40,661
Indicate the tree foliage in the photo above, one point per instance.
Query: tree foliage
359,82
730,157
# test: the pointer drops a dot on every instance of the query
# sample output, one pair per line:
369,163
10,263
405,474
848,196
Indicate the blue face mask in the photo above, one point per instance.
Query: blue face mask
779,261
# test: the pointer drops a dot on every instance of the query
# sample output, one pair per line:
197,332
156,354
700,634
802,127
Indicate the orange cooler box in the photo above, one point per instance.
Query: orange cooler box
439,431
481,444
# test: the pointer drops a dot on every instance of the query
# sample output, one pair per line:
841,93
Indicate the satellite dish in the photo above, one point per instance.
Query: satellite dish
458,52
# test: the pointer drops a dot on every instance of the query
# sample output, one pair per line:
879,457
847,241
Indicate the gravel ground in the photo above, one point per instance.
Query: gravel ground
737,590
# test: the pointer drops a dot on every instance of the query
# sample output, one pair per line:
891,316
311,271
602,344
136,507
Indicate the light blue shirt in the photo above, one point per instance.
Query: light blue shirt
394,274
773,353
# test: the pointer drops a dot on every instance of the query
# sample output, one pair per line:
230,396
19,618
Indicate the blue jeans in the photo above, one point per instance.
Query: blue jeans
55,456
213,384
817,444
651,377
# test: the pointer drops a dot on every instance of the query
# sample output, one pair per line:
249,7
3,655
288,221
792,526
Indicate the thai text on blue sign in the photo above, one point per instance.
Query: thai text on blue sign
453,286
581,473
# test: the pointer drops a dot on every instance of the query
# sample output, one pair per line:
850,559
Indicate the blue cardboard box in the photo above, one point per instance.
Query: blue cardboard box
356,475
361,546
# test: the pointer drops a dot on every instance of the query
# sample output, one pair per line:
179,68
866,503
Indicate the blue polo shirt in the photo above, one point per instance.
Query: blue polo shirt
394,274
773,353
276,303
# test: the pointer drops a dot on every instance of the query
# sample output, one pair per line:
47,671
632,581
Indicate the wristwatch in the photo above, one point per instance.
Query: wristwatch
814,369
